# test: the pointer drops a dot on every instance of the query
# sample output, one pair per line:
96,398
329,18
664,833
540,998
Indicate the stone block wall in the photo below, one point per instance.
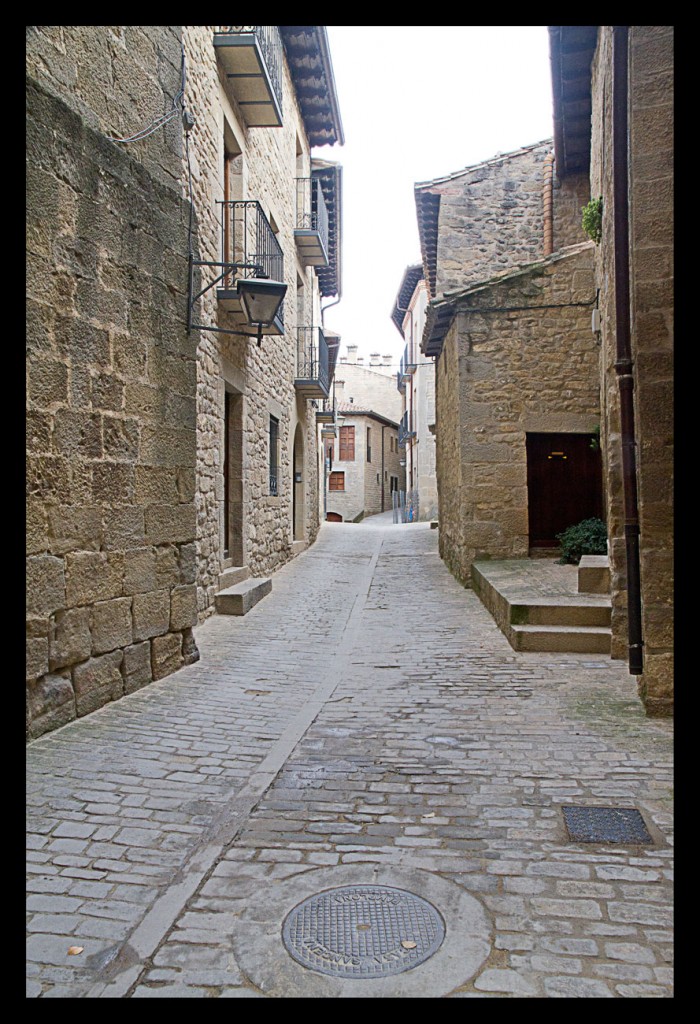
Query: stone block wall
570,195
110,573
503,373
119,79
651,269
491,217
368,389
383,466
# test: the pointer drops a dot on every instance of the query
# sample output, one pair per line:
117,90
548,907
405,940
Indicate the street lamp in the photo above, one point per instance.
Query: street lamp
261,300
260,297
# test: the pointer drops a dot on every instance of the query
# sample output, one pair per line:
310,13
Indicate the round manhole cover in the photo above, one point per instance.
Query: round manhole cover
363,931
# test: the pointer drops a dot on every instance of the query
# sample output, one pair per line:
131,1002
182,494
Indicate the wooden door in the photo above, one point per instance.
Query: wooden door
564,484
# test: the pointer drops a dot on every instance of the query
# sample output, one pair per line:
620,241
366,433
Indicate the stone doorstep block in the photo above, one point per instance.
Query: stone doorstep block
561,639
594,612
239,599
594,574
233,575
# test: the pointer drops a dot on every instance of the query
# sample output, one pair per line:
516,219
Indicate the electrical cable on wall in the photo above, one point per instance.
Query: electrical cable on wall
158,122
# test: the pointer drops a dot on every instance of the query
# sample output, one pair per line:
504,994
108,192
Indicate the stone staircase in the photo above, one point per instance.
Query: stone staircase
238,592
542,606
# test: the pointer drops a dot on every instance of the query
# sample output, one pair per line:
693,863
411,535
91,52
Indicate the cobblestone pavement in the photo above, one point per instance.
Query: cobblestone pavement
366,723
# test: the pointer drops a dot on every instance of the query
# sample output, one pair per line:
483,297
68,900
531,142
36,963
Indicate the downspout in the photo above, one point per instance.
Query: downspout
624,363
409,440
547,193
382,467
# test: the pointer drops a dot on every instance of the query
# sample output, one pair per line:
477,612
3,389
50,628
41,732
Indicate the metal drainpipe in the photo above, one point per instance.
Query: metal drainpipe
624,363
547,196
382,467
409,440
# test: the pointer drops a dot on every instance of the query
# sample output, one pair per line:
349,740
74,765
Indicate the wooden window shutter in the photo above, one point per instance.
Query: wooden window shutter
346,444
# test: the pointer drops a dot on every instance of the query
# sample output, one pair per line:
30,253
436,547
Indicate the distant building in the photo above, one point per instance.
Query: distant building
363,462
415,380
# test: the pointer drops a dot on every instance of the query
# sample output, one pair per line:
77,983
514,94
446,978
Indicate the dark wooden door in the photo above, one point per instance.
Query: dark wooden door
564,484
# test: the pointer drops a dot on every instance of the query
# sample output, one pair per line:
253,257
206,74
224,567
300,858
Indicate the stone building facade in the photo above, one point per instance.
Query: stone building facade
510,277
415,381
129,134
257,507
584,61
365,458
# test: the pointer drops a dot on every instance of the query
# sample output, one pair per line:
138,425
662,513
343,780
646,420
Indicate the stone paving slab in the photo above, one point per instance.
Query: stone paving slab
368,719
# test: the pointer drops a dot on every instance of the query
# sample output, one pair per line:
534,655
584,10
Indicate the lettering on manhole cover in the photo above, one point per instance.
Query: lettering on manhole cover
363,931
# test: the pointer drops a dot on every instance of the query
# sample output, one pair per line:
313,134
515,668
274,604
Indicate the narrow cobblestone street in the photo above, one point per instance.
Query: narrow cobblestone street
365,724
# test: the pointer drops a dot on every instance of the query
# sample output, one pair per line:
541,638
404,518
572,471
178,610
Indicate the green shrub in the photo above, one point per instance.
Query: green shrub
592,219
588,537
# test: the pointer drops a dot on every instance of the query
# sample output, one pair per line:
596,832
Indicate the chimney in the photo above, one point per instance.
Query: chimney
352,353
387,360
374,359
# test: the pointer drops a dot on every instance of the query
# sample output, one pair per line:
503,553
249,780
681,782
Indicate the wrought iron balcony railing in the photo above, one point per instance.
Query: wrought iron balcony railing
247,239
311,232
328,412
252,59
406,430
313,372
407,365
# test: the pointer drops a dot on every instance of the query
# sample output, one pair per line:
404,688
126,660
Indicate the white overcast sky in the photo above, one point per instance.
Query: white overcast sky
416,103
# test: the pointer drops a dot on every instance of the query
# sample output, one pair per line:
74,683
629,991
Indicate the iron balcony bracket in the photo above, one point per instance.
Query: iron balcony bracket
191,299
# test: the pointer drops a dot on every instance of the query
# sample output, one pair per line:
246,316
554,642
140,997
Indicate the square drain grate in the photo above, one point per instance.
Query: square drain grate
605,825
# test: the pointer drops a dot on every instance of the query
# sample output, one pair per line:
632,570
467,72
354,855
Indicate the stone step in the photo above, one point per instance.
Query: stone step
234,574
240,598
594,574
563,639
562,613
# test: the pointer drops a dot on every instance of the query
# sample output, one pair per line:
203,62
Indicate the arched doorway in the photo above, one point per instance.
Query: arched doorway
334,517
298,485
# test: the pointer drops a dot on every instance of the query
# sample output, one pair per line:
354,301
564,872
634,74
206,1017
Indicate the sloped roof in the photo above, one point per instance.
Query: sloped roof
427,196
441,313
309,60
349,409
571,49
331,177
412,275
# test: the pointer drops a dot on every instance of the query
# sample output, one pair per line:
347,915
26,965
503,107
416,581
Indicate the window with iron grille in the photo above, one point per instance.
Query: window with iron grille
274,445
346,444
336,482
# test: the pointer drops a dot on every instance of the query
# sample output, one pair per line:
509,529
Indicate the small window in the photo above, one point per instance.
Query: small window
274,445
369,444
336,482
